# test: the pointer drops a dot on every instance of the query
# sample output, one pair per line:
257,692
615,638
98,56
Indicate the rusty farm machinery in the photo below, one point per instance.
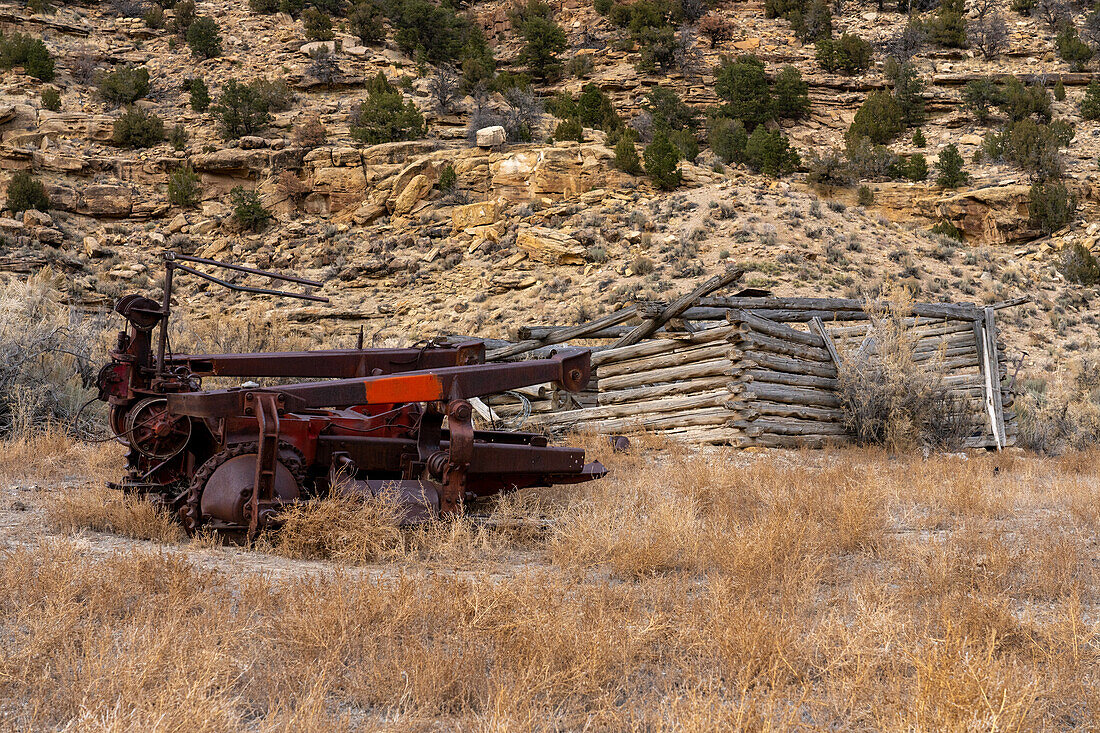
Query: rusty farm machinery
393,422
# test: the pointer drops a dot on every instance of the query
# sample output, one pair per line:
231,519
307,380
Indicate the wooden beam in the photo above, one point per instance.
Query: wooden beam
993,368
819,326
678,306
573,332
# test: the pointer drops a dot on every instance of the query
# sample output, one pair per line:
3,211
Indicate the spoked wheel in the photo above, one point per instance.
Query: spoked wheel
155,433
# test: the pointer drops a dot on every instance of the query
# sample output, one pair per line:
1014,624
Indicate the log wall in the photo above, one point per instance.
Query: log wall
759,371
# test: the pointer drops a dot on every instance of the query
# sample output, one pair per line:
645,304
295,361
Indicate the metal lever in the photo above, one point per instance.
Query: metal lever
172,262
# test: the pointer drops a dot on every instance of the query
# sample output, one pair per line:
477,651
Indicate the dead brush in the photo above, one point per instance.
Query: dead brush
73,509
46,359
338,528
889,398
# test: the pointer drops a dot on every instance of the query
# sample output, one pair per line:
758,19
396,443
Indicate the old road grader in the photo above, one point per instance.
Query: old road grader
370,423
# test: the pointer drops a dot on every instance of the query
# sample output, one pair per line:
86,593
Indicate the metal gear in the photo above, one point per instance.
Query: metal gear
191,514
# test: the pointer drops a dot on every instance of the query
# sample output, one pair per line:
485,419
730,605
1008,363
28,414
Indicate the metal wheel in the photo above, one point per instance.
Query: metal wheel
153,432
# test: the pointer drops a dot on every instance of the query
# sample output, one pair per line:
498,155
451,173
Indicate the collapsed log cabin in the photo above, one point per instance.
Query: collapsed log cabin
757,370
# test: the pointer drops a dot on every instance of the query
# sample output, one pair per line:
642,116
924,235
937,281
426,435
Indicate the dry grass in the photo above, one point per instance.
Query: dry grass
722,591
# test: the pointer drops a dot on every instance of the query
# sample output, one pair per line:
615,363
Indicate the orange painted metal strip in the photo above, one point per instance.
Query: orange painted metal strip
407,388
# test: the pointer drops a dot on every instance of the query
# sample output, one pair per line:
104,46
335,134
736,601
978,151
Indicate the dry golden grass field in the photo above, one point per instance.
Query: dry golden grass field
686,592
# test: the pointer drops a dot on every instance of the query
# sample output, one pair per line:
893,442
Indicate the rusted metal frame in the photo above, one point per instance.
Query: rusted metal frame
570,369
172,262
336,363
266,408
485,458
460,453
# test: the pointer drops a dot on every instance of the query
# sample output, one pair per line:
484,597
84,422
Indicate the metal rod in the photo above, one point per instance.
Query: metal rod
249,270
250,289
169,266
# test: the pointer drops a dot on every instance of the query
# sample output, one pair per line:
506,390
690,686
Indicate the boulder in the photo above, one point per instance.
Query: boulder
231,161
35,218
491,137
415,190
550,246
992,215
475,215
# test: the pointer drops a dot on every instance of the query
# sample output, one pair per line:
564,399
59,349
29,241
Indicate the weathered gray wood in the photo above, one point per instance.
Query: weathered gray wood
611,319
538,333
773,329
791,380
660,346
954,352
779,409
705,352
678,306
826,340
775,362
713,398
993,369
790,395
715,368
687,386
751,340
705,416
791,426
956,311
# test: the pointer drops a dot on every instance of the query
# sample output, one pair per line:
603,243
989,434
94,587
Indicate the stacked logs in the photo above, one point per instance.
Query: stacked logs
759,371
678,384
789,380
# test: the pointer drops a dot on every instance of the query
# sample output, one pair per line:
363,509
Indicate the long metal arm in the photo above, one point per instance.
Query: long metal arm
249,288
570,369
332,364
249,270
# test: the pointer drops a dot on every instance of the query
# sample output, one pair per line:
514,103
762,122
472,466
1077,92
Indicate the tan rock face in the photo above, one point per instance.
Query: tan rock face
476,215
994,215
411,194
550,246
555,172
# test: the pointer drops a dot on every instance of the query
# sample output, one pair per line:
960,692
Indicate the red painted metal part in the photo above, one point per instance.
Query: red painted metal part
385,422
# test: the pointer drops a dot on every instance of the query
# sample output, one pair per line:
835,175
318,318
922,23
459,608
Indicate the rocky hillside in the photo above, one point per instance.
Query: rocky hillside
436,234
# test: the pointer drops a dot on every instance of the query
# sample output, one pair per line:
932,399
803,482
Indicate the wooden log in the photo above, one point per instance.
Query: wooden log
791,380
706,352
711,398
791,426
708,416
773,329
944,353
678,306
660,346
751,340
779,363
778,409
790,395
688,386
573,332
538,333
827,341
991,363
704,435
952,311
931,325
718,367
